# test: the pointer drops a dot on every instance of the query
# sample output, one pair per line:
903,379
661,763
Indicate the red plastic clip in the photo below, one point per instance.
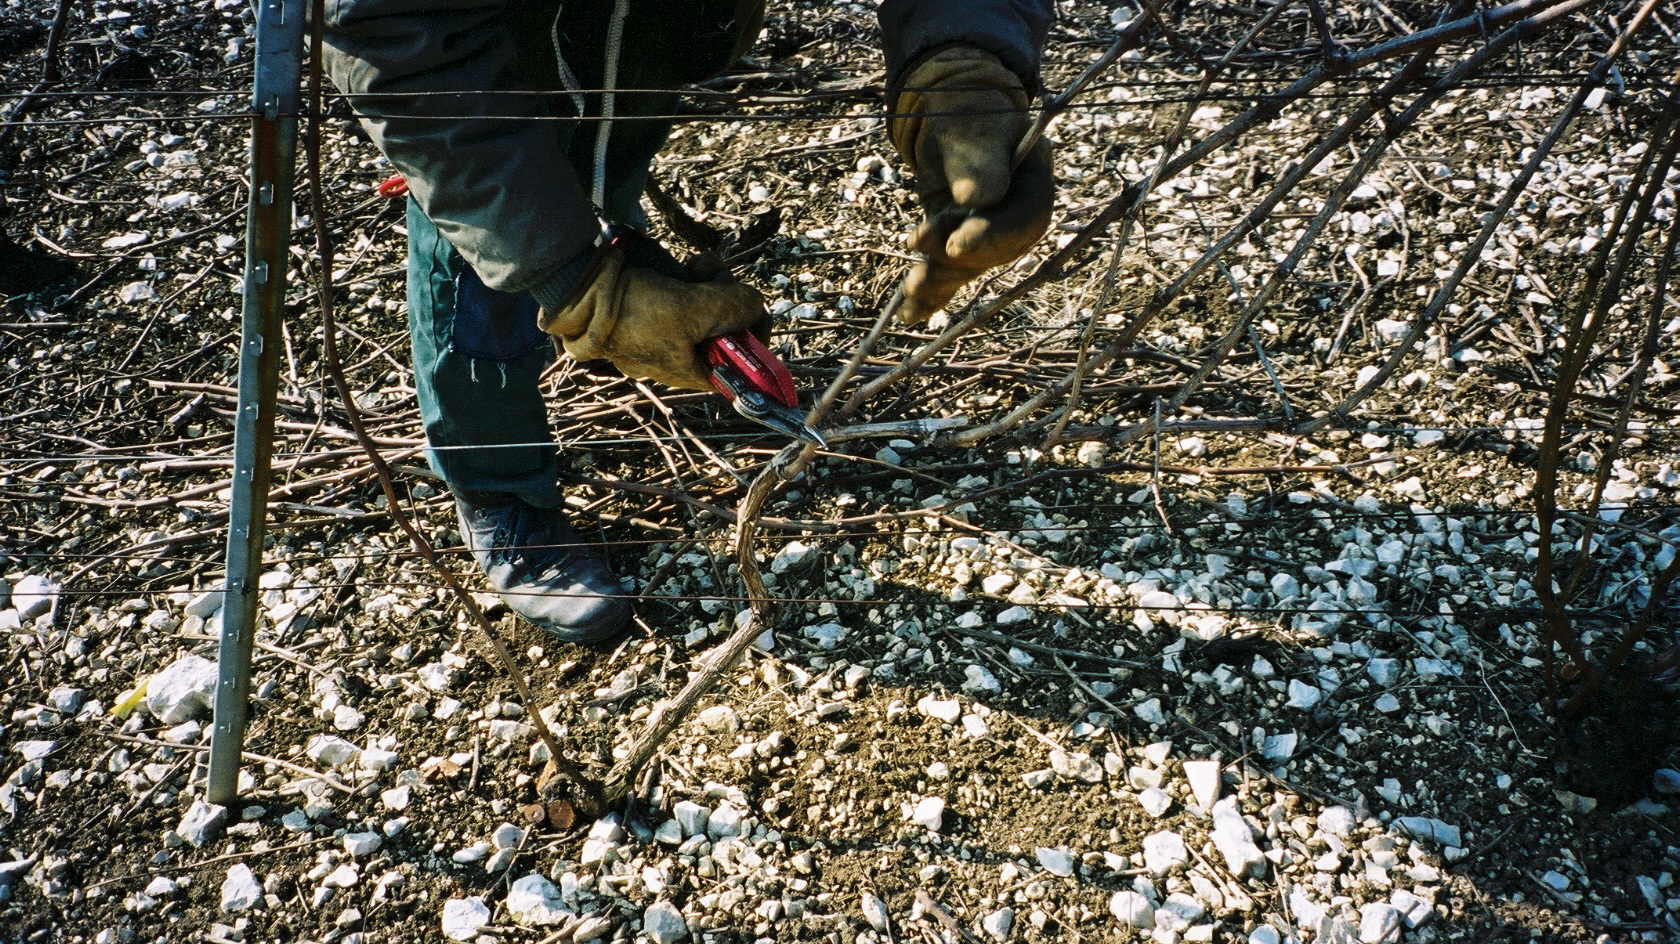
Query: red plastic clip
394,188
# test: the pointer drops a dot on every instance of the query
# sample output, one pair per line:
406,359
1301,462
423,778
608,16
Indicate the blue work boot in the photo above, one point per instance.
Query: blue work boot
541,568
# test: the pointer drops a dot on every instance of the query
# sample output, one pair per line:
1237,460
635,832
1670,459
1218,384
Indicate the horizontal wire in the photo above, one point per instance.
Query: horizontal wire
693,117
1193,426
1494,80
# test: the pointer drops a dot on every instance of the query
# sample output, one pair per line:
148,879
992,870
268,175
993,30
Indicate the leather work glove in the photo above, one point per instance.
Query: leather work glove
958,123
648,323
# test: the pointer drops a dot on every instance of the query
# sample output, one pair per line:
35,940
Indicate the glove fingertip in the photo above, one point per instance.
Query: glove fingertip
705,267
913,312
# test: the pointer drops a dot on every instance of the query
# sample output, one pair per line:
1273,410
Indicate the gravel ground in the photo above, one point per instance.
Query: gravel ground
1215,684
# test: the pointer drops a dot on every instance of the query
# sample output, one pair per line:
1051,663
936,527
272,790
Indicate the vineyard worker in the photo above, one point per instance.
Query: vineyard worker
503,240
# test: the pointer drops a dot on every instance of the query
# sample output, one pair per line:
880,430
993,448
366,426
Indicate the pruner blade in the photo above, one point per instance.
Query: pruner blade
758,385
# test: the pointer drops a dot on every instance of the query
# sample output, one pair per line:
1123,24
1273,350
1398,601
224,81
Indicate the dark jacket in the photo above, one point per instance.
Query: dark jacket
499,187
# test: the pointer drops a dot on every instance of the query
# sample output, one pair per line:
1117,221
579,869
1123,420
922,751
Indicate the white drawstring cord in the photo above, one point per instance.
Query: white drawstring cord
609,81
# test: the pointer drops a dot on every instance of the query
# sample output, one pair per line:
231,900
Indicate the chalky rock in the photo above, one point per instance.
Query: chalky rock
33,596
1379,923
362,844
946,710
346,718
827,635
928,813
478,851
205,605
66,700
691,816
136,292
664,924
1037,778
1431,830
1178,912
1155,605
241,890
1164,851
980,679
1302,695
1650,891
724,823
1384,672
998,924
604,837
1336,820
1279,747
1335,930
375,759
1155,801
182,690
463,917
34,750
792,554
1265,934
437,677
331,751
513,732
11,871
1132,910
1666,780
719,719
1234,839
1076,766
669,833
592,928
507,836
875,912
201,822
533,900
1204,781
1150,711
1059,862
1414,910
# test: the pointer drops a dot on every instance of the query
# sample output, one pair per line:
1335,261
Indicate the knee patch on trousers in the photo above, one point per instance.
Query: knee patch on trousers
491,325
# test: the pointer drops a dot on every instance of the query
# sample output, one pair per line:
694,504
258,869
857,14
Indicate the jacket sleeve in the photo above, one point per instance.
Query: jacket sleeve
1014,30
497,186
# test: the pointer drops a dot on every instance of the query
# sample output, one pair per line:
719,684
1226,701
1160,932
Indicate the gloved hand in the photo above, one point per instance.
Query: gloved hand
960,119
647,323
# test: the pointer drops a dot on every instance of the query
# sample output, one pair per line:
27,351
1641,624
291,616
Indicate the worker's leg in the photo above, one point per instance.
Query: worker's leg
477,357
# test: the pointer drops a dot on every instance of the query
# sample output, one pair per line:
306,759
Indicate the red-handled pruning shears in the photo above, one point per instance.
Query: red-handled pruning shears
742,369
757,384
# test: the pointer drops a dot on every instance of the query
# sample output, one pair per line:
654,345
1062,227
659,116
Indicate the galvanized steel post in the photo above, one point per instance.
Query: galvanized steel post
276,99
